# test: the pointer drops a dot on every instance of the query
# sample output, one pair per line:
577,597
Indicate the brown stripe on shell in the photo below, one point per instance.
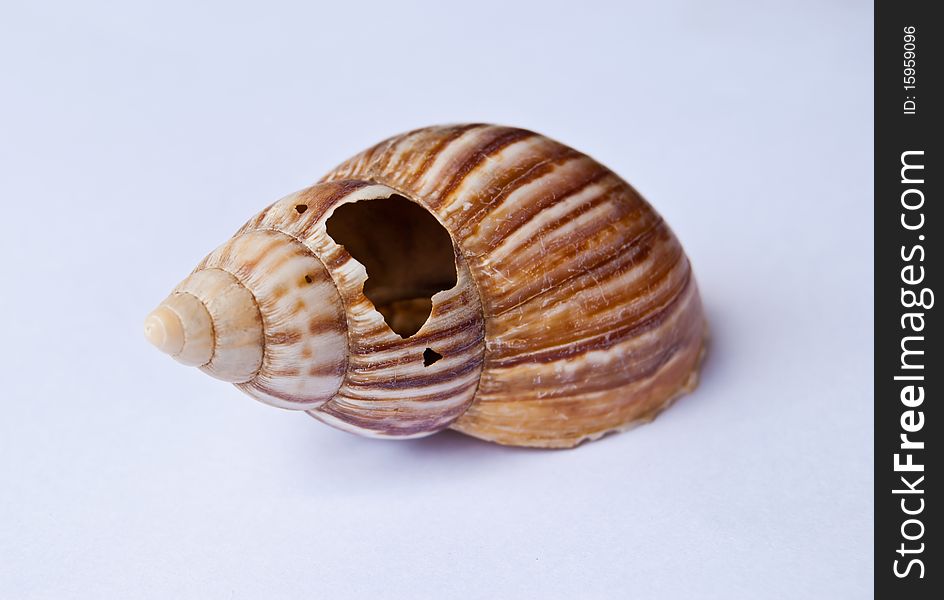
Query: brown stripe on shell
576,308
593,318
458,159
448,340
455,326
524,219
328,199
425,337
318,325
386,421
284,337
415,146
456,144
430,412
325,369
269,263
412,381
600,341
482,153
425,156
555,183
571,375
564,414
484,207
615,241
364,399
537,157
360,162
619,287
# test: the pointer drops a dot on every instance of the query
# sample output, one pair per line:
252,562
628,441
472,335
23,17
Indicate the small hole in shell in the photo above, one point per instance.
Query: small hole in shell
308,279
430,356
300,208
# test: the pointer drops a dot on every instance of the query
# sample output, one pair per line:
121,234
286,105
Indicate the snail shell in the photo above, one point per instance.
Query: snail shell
562,307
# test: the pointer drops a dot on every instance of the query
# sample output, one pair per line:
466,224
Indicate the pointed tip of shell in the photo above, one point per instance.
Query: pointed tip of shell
182,328
164,330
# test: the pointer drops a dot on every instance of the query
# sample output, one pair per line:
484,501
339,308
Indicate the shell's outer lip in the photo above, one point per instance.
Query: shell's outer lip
164,330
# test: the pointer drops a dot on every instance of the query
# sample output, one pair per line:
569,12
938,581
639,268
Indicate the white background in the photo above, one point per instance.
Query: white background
136,137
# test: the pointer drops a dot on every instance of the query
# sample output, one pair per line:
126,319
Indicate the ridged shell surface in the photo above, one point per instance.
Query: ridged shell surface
575,312
592,316
386,390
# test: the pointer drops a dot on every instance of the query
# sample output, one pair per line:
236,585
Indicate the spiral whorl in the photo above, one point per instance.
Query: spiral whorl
477,277
182,327
262,312
210,321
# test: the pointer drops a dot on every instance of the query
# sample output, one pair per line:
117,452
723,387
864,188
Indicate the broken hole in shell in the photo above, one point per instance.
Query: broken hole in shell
408,255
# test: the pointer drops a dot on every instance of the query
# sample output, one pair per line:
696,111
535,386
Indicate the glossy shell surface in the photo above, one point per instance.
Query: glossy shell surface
574,313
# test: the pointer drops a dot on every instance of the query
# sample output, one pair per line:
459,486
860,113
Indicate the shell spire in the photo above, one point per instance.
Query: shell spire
482,278
181,327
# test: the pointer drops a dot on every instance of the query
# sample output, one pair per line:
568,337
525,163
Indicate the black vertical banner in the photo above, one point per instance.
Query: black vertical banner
909,367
